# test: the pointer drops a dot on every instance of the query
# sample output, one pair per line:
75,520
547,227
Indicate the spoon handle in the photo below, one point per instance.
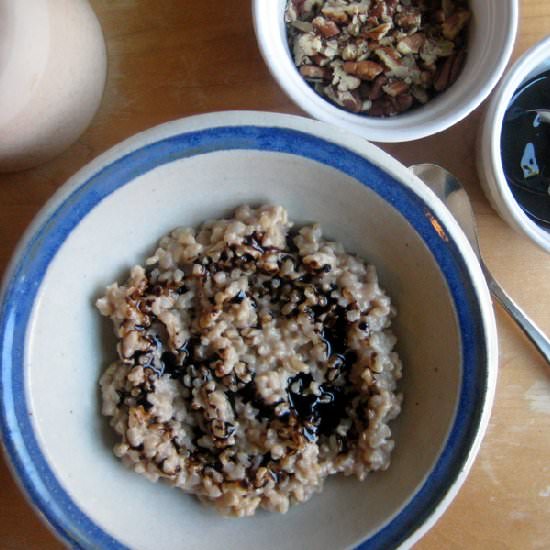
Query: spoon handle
528,327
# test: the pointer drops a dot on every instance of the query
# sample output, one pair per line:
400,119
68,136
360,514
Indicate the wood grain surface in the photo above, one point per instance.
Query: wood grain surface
173,58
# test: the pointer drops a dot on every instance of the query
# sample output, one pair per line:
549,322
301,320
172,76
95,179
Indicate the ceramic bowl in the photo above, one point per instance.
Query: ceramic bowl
489,160
492,35
108,216
53,69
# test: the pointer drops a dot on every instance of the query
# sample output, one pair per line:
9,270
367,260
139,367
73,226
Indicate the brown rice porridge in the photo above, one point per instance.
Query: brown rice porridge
253,361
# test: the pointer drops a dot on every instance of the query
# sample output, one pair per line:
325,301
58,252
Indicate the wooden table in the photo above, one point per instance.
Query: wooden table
173,58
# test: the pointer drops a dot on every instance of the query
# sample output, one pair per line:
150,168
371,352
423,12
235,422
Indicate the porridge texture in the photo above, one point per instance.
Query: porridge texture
253,361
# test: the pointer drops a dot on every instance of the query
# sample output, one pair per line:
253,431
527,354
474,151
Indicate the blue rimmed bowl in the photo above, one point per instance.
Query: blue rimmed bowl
110,215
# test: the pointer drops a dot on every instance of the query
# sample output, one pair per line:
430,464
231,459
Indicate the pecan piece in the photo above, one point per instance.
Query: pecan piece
378,32
350,52
443,76
368,70
388,56
315,73
302,26
380,10
326,28
365,70
409,20
383,107
411,44
349,100
420,94
458,63
391,7
320,60
395,88
376,91
426,78
335,13
449,71
391,59
403,102
454,24
350,67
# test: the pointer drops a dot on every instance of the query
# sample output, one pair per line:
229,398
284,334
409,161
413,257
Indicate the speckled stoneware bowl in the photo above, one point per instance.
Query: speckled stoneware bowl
108,216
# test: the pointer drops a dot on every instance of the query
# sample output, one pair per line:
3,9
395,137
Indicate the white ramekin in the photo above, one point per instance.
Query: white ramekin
492,35
489,160
53,68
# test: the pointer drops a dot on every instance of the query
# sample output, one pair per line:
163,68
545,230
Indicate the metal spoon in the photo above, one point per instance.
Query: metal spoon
451,192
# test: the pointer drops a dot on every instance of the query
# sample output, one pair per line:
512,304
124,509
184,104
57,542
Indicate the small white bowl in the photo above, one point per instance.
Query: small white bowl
110,215
492,34
489,159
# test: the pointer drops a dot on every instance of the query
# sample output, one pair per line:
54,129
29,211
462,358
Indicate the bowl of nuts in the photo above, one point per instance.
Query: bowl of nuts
388,70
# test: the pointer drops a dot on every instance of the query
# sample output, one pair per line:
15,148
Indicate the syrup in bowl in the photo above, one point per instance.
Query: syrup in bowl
525,148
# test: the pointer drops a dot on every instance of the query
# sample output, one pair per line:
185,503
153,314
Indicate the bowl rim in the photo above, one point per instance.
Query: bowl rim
490,157
276,133
420,122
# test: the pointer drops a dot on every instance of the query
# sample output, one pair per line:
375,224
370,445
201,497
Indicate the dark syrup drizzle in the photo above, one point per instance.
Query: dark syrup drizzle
525,146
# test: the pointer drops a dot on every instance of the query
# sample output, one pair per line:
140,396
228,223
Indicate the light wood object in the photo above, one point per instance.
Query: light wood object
173,58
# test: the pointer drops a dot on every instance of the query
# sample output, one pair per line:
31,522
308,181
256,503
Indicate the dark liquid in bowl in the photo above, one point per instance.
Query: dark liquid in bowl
525,145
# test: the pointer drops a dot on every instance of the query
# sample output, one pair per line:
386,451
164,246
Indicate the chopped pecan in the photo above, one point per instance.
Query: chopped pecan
350,67
391,7
403,102
365,70
350,52
395,88
381,57
383,107
343,79
388,56
378,32
350,100
458,63
326,28
449,71
420,94
381,10
411,44
409,20
303,26
314,72
376,91
453,25
427,78
330,49
391,59
335,13
306,45
368,70
443,75
320,60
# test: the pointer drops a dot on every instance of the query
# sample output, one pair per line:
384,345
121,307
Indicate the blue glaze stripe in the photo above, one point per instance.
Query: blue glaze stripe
30,464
